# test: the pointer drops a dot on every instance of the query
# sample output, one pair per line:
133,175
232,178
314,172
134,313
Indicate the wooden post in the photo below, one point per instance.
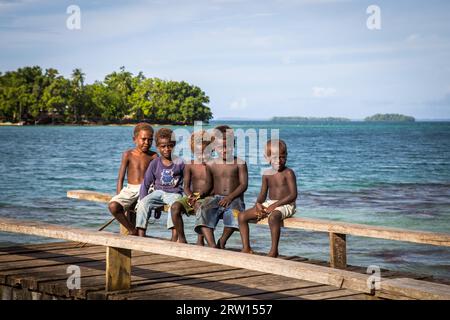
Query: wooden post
338,250
118,269
118,266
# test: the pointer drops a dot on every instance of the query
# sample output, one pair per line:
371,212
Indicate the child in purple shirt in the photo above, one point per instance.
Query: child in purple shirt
166,176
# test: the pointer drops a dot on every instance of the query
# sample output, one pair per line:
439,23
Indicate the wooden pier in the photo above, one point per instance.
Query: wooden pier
40,272
117,266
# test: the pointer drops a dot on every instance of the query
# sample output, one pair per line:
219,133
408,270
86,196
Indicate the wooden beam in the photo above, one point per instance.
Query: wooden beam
415,289
89,195
362,230
118,265
338,250
329,226
118,269
292,269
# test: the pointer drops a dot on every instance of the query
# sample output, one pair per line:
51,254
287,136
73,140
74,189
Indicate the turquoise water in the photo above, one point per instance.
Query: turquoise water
395,175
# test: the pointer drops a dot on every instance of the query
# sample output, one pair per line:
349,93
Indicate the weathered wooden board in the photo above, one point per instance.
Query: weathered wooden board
362,230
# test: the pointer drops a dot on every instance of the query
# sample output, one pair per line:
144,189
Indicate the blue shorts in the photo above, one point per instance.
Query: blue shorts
210,212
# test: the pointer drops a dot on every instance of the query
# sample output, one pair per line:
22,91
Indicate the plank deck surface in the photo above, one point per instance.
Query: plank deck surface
40,272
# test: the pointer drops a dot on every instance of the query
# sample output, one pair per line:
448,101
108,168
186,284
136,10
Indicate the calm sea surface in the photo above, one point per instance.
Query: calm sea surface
395,175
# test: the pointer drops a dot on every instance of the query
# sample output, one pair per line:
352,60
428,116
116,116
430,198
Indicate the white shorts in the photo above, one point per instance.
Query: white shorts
128,196
287,210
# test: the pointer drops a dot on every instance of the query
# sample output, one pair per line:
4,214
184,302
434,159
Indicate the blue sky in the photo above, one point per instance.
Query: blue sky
254,59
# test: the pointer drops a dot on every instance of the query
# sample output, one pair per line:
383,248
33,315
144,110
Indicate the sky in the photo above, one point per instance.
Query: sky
254,59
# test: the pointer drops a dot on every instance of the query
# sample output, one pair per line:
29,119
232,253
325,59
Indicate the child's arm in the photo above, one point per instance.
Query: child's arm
149,178
263,192
122,172
243,183
187,180
291,195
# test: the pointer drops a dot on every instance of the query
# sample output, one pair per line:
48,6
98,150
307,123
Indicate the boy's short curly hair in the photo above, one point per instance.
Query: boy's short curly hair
201,137
223,132
282,147
164,133
142,126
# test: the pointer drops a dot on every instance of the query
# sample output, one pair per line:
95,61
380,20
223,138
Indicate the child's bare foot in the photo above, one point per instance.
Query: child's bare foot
220,244
200,243
181,240
273,254
133,232
247,250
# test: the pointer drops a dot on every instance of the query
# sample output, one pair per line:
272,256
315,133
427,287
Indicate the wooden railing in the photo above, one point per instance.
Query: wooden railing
118,261
337,230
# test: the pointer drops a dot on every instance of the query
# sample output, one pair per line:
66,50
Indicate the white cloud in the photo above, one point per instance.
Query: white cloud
239,104
320,92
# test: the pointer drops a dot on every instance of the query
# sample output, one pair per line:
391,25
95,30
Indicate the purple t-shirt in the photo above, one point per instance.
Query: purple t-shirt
165,178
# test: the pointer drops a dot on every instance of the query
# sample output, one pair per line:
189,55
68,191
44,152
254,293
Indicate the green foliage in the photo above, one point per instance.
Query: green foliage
394,117
307,119
31,96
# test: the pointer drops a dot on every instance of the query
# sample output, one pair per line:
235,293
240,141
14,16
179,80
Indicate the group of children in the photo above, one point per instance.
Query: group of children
211,188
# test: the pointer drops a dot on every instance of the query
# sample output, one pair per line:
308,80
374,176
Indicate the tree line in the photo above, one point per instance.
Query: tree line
33,96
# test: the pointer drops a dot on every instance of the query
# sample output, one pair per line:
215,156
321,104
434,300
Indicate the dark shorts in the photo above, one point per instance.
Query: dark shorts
210,212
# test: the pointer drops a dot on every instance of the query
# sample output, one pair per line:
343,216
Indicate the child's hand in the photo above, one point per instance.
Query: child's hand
271,208
192,200
261,212
260,208
225,202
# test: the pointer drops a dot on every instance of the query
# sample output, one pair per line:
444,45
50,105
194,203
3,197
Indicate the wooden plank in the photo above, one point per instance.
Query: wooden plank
329,226
416,289
94,196
293,269
29,248
336,293
18,258
89,195
53,280
207,276
362,230
47,271
338,250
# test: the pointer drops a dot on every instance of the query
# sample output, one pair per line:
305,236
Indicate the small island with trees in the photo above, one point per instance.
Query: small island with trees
30,95
309,119
389,117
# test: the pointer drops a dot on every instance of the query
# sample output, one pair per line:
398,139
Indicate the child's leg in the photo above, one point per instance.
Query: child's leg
226,234
117,211
244,218
208,233
275,220
144,208
169,199
177,210
200,240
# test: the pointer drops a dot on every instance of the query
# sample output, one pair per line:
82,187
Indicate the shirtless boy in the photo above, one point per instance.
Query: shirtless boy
165,174
281,184
134,164
197,184
230,180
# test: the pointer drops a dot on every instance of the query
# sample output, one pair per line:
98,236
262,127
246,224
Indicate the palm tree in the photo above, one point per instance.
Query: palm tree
78,89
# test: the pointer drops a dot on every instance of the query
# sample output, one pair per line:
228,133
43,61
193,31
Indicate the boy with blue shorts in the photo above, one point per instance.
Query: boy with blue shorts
230,179
166,176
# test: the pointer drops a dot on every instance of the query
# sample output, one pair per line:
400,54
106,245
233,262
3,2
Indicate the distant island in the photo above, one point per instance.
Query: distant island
391,117
309,119
30,95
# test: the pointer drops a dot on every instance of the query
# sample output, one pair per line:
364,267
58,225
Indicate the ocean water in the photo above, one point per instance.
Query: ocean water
395,175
